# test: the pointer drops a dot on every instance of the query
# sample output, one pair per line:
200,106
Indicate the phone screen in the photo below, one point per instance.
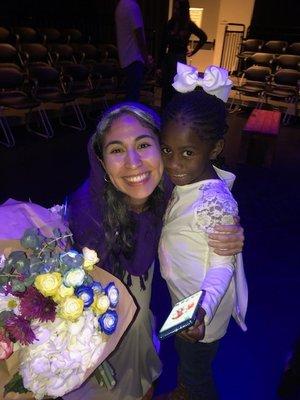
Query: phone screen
182,312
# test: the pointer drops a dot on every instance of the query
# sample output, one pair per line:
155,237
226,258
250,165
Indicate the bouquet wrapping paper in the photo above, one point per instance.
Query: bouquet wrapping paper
15,217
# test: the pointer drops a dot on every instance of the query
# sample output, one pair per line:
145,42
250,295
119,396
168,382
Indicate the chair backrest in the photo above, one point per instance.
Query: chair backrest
258,73
294,48
35,52
4,35
265,59
44,76
26,34
10,78
288,61
89,52
50,35
78,72
252,45
275,46
71,35
63,53
287,77
8,53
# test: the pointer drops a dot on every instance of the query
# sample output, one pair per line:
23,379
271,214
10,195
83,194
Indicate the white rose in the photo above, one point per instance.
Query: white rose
74,277
90,258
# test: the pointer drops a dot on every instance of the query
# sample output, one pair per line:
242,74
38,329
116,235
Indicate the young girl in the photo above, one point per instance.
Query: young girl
192,137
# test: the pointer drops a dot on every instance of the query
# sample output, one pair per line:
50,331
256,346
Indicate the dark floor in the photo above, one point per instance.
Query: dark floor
248,365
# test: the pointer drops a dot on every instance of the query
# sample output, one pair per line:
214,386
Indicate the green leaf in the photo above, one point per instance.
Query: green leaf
18,286
4,315
29,281
15,385
3,280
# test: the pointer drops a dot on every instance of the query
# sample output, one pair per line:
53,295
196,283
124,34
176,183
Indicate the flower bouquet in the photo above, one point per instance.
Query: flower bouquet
61,315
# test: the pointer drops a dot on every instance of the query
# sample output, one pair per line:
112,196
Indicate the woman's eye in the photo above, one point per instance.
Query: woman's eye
144,145
165,150
187,153
115,151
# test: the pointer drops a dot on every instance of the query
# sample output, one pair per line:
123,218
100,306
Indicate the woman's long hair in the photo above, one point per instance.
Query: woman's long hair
118,223
181,16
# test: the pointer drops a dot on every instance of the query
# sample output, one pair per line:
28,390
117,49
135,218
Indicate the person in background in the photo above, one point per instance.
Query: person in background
194,124
175,46
131,45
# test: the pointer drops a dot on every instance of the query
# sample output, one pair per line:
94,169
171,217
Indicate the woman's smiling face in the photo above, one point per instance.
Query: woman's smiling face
132,159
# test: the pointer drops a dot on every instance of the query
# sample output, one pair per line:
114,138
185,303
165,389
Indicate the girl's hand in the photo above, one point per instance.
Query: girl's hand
196,332
227,240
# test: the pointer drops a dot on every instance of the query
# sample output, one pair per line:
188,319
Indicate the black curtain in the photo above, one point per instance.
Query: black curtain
276,20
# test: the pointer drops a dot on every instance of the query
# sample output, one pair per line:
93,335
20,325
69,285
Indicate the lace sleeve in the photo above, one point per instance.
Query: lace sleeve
216,205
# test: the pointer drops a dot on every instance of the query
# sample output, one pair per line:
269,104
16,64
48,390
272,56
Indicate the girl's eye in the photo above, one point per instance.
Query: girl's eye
165,150
187,153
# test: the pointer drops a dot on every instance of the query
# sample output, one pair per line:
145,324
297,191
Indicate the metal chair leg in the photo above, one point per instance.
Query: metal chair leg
9,138
47,127
80,119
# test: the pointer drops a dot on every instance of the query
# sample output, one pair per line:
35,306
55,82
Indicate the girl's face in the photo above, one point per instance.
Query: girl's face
187,158
132,159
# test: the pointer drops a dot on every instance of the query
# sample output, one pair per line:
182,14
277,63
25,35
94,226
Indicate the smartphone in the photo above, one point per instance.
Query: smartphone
183,315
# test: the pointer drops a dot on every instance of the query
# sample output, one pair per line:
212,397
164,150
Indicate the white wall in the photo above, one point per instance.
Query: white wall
231,11
216,14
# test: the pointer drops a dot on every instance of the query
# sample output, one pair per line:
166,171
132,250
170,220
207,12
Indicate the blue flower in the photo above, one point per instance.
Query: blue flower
97,287
112,293
108,322
72,259
86,294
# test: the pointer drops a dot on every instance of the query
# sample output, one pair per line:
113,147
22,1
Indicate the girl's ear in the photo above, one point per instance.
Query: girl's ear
217,149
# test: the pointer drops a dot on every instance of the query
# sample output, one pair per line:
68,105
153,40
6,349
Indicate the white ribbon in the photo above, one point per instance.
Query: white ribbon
214,82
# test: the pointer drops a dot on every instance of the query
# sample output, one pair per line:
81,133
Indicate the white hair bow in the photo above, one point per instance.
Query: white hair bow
214,82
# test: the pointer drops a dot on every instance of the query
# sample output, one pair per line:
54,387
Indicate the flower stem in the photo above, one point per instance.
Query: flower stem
53,241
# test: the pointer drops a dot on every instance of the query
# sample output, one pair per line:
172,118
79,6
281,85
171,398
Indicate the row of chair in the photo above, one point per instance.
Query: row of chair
259,82
290,61
265,52
33,75
251,46
27,34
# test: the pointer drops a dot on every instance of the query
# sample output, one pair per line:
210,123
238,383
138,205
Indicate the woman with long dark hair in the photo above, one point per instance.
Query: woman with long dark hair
175,45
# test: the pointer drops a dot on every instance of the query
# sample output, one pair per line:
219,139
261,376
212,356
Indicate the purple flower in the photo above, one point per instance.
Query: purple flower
20,330
34,305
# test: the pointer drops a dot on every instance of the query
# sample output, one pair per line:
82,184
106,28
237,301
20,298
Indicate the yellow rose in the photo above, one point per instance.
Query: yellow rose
48,284
100,304
71,308
63,292
90,258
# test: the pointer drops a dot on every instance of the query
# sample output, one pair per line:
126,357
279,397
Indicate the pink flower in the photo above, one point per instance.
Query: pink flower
6,347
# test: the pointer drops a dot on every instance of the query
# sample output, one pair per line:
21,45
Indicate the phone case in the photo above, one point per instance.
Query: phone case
183,315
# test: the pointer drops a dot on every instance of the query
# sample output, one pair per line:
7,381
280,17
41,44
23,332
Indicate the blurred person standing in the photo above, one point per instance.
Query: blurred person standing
175,46
131,44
